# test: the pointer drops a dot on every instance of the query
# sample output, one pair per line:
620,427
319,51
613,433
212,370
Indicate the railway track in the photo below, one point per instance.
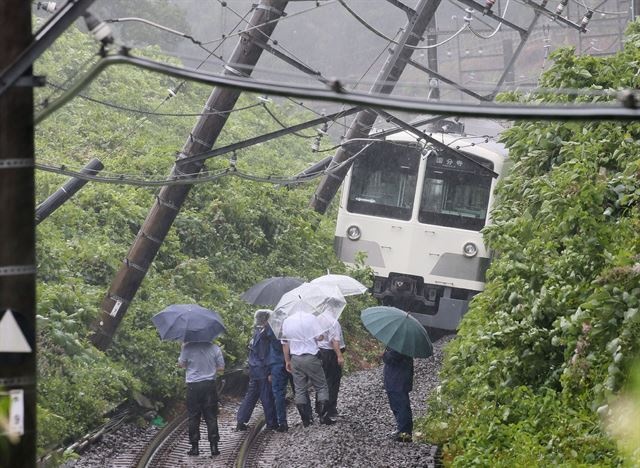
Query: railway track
237,448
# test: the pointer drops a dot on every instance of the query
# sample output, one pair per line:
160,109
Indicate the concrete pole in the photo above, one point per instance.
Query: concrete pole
384,84
170,199
17,245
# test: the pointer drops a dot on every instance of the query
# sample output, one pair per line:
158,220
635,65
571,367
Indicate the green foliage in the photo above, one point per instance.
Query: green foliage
229,235
553,336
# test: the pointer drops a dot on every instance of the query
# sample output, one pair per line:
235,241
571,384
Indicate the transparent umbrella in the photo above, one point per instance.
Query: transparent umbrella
325,302
347,285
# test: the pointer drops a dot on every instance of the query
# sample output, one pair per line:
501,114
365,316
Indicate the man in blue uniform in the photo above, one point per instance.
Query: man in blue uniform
202,361
398,382
259,372
279,379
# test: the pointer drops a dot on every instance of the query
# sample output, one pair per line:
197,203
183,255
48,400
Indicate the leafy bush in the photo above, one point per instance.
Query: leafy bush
553,336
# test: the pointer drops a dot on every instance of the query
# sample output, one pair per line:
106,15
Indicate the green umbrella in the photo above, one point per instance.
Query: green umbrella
398,330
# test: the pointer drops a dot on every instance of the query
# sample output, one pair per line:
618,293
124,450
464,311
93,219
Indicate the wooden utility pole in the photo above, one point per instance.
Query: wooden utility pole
170,199
17,247
384,84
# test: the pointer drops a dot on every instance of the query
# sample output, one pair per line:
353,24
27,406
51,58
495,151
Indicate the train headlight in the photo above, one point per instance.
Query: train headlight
470,249
353,232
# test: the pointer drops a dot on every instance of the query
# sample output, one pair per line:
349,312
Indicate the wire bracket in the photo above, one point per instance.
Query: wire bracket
16,163
16,270
31,81
166,204
135,266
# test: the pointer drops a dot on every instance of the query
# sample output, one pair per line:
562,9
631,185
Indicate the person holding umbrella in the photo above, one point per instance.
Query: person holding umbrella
405,338
202,361
301,355
259,375
398,382
196,327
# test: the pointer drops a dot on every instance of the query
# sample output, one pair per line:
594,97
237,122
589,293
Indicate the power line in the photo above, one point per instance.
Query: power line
337,93
150,112
192,178
382,35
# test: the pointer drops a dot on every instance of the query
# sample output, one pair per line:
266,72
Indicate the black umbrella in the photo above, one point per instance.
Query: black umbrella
268,292
188,322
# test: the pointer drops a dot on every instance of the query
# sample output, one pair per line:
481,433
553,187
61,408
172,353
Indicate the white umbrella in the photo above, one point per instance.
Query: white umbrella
347,285
325,302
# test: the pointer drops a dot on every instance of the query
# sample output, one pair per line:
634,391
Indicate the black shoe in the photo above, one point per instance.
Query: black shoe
402,437
271,428
393,434
324,417
214,449
193,451
282,428
241,427
332,414
304,415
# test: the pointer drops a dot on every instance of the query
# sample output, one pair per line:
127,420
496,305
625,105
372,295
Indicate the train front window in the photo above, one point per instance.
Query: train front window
455,193
383,181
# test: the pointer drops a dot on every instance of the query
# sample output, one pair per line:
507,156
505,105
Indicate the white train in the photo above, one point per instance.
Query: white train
416,212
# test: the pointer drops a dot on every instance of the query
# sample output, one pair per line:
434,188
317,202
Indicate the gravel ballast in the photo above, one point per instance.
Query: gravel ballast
358,439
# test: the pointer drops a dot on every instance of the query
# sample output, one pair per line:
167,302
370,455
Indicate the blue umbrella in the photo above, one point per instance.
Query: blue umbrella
398,330
188,322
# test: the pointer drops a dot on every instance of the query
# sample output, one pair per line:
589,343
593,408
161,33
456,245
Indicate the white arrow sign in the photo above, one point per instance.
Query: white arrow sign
12,339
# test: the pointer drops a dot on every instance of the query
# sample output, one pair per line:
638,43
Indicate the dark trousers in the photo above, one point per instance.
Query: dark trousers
259,389
401,407
279,380
202,400
333,374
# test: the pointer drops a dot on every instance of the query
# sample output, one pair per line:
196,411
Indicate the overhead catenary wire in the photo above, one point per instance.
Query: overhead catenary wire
603,12
624,111
482,36
193,178
151,112
276,20
384,36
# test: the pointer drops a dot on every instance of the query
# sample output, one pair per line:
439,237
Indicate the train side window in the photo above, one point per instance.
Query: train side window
383,181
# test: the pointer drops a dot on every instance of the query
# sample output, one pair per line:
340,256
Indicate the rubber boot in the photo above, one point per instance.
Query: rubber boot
194,449
214,449
302,409
324,418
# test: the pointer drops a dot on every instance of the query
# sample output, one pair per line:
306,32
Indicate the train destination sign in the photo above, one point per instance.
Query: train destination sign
457,164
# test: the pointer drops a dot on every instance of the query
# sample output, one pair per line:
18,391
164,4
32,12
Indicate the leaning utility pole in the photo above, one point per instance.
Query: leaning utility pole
384,84
171,197
17,246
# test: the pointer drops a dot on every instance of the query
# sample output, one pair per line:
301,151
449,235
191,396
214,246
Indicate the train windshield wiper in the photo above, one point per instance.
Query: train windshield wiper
368,200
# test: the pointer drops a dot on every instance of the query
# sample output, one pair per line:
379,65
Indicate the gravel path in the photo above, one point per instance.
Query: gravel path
358,439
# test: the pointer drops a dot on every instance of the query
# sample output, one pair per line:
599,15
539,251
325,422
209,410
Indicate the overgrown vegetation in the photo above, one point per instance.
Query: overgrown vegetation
229,235
549,345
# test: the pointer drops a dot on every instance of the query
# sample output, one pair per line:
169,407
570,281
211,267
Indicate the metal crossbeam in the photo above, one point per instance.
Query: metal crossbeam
290,60
266,137
542,8
43,38
479,7
408,10
444,79
438,144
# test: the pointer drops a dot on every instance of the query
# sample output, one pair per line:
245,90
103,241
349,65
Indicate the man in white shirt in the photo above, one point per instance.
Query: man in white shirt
301,360
332,362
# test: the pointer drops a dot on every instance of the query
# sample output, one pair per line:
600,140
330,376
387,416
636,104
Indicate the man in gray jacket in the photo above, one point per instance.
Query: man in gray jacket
202,361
